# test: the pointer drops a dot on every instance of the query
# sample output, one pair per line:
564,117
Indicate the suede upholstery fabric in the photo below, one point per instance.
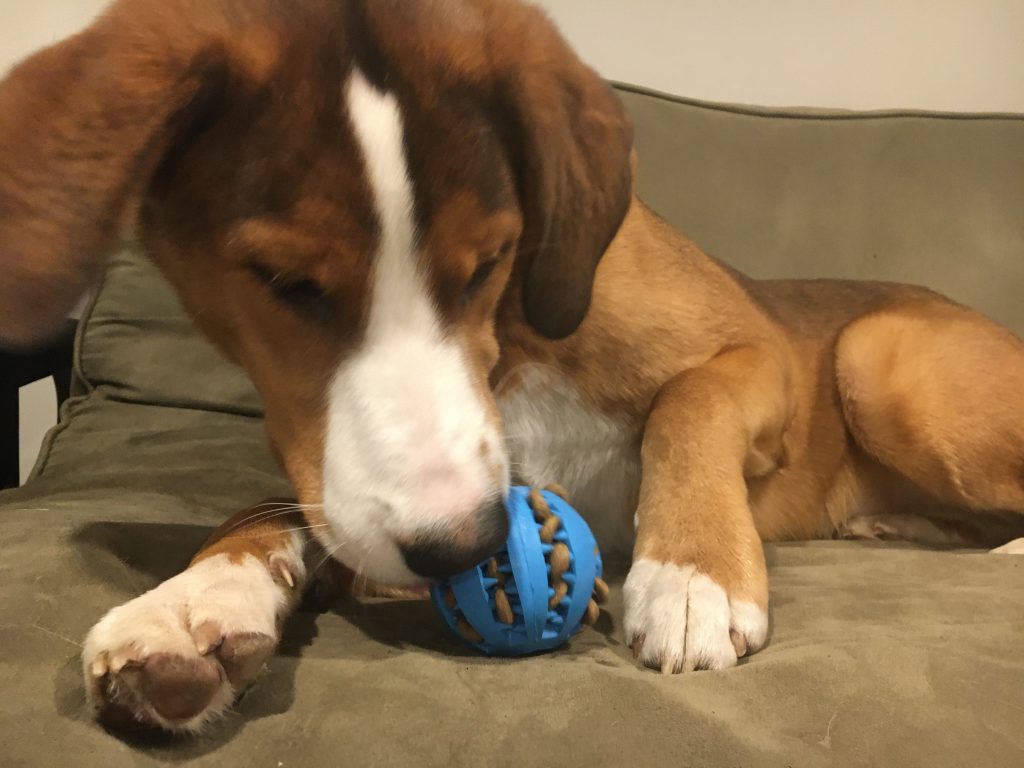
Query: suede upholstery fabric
879,654
911,197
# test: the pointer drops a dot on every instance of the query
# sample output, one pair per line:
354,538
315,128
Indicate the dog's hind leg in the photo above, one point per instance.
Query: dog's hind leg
935,391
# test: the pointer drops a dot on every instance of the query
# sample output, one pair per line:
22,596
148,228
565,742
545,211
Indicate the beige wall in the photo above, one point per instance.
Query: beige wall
963,55
26,25
859,54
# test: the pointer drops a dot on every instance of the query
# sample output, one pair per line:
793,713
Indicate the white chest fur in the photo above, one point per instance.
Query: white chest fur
553,436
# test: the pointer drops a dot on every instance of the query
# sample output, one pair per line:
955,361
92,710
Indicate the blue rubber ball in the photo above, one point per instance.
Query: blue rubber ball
535,593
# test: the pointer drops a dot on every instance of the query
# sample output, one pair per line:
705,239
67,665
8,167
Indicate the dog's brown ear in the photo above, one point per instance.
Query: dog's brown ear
569,136
573,156
81,126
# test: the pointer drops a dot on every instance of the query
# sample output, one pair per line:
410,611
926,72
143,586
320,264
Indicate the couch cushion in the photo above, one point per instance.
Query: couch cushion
136,344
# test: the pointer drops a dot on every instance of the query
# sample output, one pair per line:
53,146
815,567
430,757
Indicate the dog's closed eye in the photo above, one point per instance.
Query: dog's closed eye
479,277
303,295
484,269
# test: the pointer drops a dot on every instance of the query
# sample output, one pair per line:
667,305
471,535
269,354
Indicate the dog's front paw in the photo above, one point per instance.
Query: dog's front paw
177,656
678,618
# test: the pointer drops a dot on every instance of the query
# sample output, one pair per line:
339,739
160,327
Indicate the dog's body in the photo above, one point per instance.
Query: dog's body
414,225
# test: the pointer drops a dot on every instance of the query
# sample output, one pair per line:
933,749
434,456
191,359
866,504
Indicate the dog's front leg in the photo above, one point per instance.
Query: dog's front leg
178,656
697,594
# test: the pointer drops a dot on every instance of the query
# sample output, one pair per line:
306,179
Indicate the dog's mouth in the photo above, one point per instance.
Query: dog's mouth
446,550
406,551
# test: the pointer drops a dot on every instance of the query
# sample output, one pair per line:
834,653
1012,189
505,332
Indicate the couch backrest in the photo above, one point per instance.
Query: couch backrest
136,344
930,199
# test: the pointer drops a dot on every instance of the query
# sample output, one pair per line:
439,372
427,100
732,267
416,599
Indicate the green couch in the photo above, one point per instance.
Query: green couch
879,654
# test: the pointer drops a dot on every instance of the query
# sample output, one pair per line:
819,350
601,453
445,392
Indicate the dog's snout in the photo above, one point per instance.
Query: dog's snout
445,552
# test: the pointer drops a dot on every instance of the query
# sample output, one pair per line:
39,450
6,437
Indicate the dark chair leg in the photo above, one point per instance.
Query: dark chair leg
17,370
9,442
62,374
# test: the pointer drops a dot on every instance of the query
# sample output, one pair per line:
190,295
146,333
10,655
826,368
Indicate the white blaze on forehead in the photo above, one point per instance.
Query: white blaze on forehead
398,296
405,423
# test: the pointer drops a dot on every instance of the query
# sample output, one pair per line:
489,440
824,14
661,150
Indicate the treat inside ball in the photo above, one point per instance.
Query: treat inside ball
538,590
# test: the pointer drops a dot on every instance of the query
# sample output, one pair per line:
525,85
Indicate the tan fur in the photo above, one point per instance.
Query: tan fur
740,384
936,392
933,390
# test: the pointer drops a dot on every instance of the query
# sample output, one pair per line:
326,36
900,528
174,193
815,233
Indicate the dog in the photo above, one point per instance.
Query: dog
415,225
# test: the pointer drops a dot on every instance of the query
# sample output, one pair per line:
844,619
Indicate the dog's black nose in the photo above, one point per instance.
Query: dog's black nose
443,552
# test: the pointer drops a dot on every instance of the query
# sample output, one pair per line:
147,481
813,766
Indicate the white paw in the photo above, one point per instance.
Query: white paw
177,656
677,619
1015,547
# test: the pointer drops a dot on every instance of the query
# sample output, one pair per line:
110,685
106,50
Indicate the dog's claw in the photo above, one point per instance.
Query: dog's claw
279,565
739,642
671,666
99,667
120,660
207,637
637,645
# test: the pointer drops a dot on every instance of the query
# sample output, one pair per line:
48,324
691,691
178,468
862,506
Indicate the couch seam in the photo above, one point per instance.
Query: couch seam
811,113
65,415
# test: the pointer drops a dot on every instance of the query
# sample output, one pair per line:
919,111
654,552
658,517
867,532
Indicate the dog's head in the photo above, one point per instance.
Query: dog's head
345,194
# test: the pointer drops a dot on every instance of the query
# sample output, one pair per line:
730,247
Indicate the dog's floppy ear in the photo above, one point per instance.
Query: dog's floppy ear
572,149
82,124
569,137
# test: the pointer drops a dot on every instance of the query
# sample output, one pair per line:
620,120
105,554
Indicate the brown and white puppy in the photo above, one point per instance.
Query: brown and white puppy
413,224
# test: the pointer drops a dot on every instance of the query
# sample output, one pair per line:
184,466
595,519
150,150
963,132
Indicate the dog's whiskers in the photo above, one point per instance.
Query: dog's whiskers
241,534
267,515
328,555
